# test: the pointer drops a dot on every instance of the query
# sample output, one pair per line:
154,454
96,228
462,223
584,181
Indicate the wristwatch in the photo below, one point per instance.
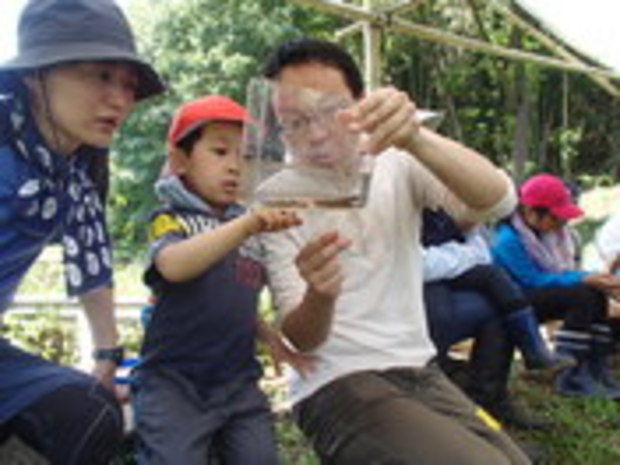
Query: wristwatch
115,354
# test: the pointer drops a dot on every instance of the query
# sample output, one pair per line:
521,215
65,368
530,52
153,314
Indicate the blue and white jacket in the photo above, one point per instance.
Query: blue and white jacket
44,198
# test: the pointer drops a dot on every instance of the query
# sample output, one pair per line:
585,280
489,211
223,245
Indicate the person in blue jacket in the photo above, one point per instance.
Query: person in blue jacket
62,98
538,250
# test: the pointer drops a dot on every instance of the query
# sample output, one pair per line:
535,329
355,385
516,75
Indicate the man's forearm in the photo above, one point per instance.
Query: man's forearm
308,326
469,175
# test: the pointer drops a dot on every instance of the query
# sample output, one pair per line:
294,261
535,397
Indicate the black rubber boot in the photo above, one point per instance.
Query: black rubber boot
523,329
580,380
490,363
603,346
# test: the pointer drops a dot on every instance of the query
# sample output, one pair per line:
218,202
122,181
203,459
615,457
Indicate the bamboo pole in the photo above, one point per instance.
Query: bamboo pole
432,34
372,50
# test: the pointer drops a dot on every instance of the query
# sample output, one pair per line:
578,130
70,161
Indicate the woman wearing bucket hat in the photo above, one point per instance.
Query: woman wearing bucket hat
537,249
62,98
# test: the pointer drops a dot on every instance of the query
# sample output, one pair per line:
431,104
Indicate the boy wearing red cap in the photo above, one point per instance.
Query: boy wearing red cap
536,248
197,380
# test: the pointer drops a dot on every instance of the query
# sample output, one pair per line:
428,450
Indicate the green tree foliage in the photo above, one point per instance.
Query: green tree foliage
572,124
43,333
201,47
524,117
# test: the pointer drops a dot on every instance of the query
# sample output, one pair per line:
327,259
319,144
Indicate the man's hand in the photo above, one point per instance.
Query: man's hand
319,266
308,325
387,116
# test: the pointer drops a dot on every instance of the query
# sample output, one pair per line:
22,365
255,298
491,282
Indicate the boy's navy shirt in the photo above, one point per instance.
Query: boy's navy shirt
204,328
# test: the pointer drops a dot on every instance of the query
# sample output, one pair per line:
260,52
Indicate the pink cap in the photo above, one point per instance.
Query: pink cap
550,192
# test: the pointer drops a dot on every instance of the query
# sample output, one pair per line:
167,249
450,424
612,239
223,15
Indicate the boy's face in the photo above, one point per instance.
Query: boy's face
213,169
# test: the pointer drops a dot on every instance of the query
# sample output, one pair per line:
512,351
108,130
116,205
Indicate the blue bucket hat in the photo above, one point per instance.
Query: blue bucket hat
52,32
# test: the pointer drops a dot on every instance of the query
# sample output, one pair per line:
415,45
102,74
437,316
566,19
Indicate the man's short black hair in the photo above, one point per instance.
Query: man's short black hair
307,50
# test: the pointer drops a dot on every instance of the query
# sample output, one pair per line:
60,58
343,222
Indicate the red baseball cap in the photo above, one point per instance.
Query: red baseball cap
550,192
195,113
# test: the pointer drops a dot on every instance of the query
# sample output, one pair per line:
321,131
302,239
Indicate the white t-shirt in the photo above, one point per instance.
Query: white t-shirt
379,319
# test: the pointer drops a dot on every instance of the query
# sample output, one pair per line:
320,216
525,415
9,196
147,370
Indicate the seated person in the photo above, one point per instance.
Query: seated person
485,375
535,246
463,262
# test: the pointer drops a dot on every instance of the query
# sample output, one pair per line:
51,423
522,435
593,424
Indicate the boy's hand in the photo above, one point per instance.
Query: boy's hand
273,219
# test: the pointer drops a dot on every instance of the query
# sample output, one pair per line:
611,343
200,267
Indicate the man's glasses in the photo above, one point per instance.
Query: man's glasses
298,123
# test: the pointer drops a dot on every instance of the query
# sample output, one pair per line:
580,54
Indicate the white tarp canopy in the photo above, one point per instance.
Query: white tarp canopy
371,15
589,26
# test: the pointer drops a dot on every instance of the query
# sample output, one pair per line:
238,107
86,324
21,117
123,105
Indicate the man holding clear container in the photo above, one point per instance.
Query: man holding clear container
376,395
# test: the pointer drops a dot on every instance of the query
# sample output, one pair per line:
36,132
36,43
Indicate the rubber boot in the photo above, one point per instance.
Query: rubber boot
578,380
490,363
603,347
523,328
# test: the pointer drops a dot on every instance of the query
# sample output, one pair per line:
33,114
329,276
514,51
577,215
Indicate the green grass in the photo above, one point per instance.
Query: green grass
293,447
585,432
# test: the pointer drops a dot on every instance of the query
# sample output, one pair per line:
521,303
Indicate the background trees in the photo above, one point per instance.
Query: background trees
524,117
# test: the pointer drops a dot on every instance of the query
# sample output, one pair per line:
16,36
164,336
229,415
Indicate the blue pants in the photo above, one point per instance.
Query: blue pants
177,425
67,416
456,315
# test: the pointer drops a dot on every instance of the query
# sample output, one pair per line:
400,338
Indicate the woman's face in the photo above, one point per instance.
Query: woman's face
542,222
82,103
